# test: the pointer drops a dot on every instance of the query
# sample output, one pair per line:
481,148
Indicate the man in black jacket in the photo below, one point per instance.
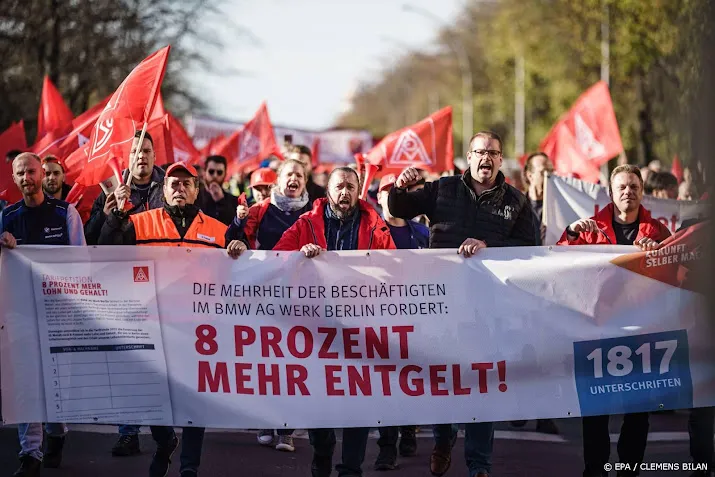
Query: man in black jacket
213,200
475,210
145,192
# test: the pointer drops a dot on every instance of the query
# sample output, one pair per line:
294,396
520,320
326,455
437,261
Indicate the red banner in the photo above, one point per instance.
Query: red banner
129,108
426,145
586,137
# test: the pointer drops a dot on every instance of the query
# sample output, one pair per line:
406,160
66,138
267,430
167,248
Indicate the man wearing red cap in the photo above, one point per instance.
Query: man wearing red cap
261,182
53,183
178,223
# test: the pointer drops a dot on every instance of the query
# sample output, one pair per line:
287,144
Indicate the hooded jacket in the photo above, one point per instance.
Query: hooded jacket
373,233
647,227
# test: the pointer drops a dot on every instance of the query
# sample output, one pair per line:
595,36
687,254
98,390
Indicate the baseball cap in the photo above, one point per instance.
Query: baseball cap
54,159
387,182
264,176
181,166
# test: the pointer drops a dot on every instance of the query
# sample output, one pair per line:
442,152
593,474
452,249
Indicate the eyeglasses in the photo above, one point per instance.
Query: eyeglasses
218,172
493,153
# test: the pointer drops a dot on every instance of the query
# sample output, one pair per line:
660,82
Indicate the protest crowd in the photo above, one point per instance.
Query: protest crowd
279,200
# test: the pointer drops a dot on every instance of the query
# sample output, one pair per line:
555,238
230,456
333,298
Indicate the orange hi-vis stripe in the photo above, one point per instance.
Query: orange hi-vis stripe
155,228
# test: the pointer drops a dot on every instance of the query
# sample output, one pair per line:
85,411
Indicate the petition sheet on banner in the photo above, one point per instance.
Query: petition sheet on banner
101,345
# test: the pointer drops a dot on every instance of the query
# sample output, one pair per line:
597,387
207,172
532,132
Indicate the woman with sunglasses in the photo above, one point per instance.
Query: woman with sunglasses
213,200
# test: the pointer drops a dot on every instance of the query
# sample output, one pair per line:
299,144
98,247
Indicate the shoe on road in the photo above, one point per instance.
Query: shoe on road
126,446
265,437
285,444
386,459
29,467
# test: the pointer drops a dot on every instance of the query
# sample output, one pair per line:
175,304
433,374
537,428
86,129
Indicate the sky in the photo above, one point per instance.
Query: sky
309,55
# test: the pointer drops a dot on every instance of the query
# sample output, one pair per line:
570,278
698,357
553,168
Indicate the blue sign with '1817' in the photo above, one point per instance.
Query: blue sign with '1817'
634,373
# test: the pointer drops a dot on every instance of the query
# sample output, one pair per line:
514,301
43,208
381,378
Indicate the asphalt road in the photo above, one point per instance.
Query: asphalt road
237,454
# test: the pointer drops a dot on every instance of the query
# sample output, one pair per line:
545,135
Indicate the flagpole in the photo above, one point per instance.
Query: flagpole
606,67
457,47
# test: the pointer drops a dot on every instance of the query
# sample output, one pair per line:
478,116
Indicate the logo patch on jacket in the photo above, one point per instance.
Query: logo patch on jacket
53,232
206,238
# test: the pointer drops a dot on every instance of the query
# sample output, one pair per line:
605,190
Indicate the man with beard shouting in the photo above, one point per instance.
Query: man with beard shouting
339,222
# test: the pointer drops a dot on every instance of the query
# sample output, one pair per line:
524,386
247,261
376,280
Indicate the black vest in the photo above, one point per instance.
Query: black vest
45,224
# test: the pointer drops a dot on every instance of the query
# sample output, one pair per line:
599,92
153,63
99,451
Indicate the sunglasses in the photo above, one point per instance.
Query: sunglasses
217,172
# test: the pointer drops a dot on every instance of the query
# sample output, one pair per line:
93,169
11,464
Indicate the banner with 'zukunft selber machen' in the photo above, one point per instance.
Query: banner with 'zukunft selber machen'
192,337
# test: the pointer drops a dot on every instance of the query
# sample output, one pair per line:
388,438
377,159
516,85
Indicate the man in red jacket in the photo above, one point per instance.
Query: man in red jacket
339,222
623,222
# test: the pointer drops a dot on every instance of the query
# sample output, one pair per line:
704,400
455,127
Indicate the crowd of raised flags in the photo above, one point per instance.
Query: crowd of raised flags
94,148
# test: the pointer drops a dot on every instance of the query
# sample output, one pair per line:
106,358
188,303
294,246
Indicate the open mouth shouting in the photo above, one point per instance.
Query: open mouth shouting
292,187
486,168
344,202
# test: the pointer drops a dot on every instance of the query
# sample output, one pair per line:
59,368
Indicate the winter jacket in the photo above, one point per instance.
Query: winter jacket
501,216
264,226
93,227
373,233
224,210
169,226
648,227
314,191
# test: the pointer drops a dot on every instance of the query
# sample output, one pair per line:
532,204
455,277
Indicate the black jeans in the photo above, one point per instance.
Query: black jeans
701,424
597,441
191,445
323,442
390,435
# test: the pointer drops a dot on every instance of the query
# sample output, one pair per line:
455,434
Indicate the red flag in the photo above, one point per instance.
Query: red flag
158,112
591,122
677,169
427,145
65,145
76,161
249,145
163,148
184,149
129,108
54,115
563,149
315,151
12,138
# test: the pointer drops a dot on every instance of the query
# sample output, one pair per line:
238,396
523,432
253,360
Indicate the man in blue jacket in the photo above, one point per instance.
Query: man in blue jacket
38,219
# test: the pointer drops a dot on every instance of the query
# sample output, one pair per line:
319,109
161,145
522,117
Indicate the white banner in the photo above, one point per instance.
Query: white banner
337,146
190,337
567,199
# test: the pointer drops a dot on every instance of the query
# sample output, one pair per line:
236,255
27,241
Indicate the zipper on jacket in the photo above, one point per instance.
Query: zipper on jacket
312,230
372,234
